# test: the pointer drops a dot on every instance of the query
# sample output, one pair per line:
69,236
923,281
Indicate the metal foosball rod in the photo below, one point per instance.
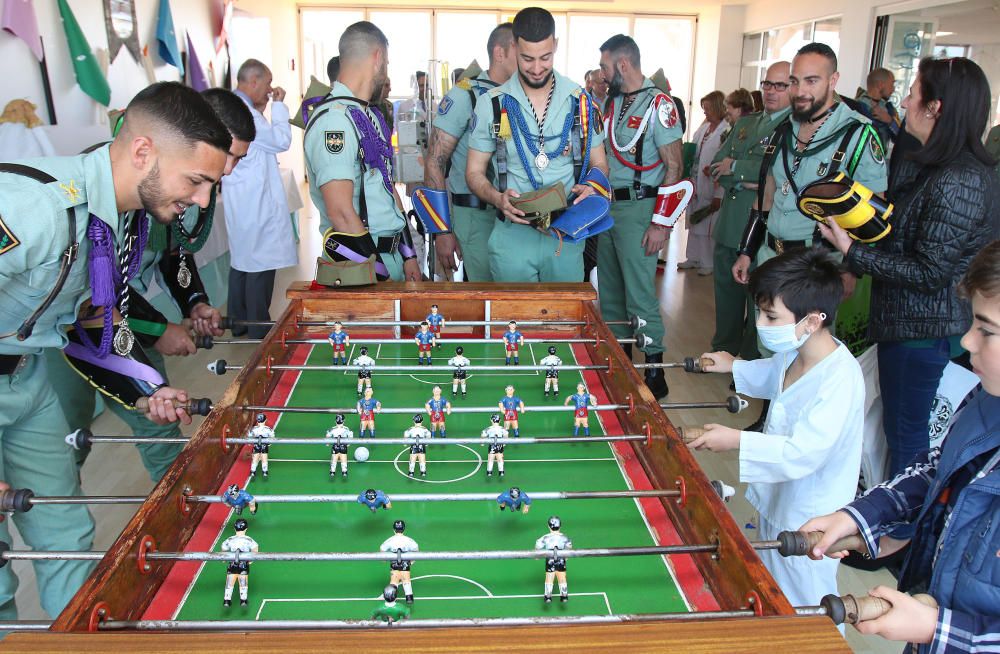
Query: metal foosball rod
22,500
733,404
788,543
208,342
849,609
689,364
229,323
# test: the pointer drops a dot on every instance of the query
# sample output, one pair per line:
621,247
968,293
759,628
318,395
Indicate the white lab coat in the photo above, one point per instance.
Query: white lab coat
807,461
257,217
700,247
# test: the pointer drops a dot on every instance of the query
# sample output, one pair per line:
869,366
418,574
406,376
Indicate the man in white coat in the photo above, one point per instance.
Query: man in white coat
261,238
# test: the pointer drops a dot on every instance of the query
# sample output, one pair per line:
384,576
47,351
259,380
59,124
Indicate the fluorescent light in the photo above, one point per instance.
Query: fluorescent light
940,34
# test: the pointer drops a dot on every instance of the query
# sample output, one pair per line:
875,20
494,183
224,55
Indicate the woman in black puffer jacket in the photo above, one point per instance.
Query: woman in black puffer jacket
947,197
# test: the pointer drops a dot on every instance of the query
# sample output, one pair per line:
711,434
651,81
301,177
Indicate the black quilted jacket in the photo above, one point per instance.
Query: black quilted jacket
943,217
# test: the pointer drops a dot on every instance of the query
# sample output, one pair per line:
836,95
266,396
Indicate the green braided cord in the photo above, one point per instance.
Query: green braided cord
146,327
205,218
157,241
866,134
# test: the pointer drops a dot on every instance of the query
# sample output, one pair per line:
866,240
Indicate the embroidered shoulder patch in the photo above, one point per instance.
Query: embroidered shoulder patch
7,239
877,154
666,113
334,142
445,105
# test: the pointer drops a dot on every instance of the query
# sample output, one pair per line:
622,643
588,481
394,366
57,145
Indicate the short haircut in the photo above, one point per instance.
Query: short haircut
963,90
421,74
360,40
879,75
251,69
623,46
806,280
983,275
235,113
742,100
717,101
820,49
502,37
333,69
533,24
180,111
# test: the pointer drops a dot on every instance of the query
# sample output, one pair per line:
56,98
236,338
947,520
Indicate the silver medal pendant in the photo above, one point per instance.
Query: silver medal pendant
183,274
784,187
124,339
542,161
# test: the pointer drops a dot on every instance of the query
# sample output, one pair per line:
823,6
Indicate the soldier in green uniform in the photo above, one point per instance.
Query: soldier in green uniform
471,220
821,137
169,256
72,226
539,130
349,165
737,168
645,141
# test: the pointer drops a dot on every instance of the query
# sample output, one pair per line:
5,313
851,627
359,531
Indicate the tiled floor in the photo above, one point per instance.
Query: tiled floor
687,306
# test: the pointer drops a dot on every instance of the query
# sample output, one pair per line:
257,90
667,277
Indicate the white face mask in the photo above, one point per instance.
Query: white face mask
781,338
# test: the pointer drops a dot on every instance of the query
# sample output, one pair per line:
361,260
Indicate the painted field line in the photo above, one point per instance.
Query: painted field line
430,461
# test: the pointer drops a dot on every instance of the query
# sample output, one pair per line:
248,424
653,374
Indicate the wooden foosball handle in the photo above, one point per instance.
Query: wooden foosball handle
690,434
800,543
195,406
852,610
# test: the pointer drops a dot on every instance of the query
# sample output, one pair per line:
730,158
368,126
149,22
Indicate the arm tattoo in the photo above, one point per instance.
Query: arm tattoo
672,159
439,152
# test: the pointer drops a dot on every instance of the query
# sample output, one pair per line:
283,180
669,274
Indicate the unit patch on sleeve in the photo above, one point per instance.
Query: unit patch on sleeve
335,142
7,239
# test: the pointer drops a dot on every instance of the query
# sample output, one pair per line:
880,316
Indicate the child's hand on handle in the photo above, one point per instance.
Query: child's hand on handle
717,362
834,526
909,620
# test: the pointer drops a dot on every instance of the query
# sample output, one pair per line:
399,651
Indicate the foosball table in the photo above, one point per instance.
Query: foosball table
656,562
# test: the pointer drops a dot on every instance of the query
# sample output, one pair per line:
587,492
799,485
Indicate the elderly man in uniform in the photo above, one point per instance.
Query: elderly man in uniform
472,220
349,164
736,168
645,142
821,137
170,151
539,130
261,237
169,258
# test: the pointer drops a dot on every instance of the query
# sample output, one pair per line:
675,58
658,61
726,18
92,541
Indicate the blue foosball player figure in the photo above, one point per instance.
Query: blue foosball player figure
374,500
515,499
239,499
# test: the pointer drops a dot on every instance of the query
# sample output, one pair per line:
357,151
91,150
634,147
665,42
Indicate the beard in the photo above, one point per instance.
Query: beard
809,111
535,85
153,198
615,84
377,94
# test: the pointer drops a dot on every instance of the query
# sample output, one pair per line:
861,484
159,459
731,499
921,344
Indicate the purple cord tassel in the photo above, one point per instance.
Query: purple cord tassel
103,271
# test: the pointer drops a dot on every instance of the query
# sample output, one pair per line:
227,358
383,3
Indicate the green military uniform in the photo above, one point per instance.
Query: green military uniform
33,453
993,144
864,161
472,220
735,327
626,276
332,148
78,398
785,222
521,253
391,613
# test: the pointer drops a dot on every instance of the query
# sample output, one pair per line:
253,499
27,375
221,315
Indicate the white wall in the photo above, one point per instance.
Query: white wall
81,120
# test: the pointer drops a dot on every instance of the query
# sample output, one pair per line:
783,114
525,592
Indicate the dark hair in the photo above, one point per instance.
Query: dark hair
820,49
758,100
964,92
806,280
620,45
182,111
533,24
333,69
983,275
420,74
235,113
742,100
359,40
501,36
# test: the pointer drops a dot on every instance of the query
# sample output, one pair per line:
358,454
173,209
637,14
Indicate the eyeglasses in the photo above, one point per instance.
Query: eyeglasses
777,86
